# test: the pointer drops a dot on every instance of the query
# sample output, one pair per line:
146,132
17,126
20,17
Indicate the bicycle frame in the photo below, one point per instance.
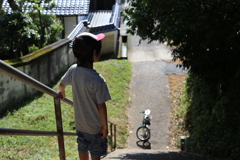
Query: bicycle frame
143,132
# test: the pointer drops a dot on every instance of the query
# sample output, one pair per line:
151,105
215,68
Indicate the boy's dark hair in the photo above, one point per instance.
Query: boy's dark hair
84,45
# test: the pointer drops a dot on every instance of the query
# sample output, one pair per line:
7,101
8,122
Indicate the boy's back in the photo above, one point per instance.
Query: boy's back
89,89
90,92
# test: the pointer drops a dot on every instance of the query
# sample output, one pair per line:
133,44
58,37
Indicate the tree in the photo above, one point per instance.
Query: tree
35,29
44,22
14,6
1,2
205,35
16,35
202,31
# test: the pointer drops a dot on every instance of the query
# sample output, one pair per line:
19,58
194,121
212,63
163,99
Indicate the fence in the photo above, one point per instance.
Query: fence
11,71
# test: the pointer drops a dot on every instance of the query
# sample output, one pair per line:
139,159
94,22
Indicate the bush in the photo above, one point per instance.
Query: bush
23,33
213,118
16,35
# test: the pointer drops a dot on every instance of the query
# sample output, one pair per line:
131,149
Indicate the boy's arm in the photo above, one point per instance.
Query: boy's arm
62,91
103,114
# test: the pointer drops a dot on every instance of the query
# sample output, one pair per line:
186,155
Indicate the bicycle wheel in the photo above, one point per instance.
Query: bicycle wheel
143,133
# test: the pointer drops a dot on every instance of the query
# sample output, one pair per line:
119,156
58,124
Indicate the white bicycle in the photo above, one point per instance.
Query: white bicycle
143,132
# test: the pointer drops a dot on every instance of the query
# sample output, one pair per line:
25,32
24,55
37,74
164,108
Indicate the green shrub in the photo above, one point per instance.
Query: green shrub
213,117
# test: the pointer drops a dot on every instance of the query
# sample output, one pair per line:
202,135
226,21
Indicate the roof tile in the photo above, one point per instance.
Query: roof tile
63,7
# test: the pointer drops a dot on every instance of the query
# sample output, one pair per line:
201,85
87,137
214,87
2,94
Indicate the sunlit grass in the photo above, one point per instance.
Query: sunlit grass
39,115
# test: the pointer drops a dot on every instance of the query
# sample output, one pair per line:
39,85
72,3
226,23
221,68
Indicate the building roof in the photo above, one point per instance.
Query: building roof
98,22
105,21
63,7
99,18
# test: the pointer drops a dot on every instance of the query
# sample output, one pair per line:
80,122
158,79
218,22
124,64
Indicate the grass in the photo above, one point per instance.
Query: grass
38,114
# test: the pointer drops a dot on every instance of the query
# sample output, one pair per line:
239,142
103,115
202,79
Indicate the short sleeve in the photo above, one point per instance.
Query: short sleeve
102,92
67,77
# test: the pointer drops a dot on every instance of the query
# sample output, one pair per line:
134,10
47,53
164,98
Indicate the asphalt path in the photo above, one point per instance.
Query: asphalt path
151,64
149,90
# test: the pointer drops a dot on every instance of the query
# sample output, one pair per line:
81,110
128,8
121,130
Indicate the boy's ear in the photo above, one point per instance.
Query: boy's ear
94,51
95,55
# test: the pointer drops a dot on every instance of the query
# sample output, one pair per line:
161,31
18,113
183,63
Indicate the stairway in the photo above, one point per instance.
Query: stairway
140,154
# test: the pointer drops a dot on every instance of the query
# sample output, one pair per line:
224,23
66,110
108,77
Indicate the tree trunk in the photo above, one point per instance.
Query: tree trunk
1,2
42,30
14,5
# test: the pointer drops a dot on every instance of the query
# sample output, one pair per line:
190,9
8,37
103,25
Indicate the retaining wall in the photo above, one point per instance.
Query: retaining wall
43,65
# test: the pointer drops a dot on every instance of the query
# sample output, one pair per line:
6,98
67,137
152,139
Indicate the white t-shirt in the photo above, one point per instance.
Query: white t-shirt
89,89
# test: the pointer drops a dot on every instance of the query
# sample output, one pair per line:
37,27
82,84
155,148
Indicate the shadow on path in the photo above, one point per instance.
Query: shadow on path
159,156
144,144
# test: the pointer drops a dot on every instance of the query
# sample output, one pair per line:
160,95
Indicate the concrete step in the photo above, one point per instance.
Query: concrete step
140,154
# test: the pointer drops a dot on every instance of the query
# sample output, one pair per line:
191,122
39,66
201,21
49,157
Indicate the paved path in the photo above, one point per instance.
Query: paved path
149,90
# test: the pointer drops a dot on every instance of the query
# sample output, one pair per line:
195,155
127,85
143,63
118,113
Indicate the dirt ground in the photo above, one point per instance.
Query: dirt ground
176,83
176,86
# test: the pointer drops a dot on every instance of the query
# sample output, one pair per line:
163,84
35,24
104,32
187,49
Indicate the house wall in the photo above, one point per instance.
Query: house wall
69,23
109,43
43,65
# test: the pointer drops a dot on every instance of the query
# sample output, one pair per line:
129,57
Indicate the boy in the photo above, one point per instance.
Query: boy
90,92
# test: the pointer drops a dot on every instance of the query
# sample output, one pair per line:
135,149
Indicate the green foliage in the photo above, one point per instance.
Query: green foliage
33,48
213,118
23,32
205,36
205,33
50,24
39,115
16,35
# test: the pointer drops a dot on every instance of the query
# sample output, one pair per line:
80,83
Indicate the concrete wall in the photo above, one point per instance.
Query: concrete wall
43,65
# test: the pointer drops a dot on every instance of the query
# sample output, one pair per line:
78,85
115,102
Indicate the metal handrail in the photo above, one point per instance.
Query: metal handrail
13,72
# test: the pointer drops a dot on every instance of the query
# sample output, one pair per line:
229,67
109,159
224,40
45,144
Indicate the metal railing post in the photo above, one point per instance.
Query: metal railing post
111,133
115,137
58,114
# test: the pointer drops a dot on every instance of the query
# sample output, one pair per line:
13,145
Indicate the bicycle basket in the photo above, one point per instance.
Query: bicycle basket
147,121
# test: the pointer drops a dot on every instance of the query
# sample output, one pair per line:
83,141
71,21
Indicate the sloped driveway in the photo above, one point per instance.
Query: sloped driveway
149,90
151,64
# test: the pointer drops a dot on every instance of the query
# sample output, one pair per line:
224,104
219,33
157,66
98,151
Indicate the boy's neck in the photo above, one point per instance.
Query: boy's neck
88,66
